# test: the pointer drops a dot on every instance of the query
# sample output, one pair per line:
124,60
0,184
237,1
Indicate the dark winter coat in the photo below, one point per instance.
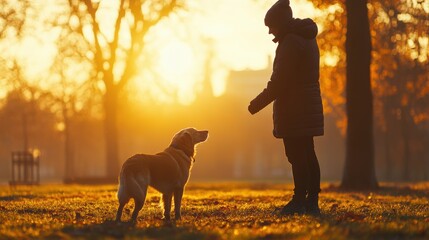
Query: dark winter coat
294,84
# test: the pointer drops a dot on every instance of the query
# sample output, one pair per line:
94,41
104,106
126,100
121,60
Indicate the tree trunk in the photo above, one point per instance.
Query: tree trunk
406,159
111,133
69,173
25,132
359,170
389,163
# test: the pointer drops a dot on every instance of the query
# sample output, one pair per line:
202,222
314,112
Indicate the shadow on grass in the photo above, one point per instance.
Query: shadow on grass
111,229
16,197
397,190
401,191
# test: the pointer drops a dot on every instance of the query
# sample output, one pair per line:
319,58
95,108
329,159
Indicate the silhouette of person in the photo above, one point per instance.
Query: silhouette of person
297,111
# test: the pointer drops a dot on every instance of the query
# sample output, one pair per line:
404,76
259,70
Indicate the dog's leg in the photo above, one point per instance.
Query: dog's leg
120,208
178,193
138,203
166,198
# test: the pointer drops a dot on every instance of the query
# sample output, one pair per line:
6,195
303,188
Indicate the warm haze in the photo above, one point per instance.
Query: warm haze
200,67
230,35
85,85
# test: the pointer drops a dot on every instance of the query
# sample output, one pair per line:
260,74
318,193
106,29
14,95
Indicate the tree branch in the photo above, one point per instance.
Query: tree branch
138,31
99,58
114,44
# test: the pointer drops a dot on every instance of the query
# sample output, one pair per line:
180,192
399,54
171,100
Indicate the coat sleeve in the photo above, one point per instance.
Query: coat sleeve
284,64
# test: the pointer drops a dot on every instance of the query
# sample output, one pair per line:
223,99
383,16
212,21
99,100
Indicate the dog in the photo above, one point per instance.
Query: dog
167,172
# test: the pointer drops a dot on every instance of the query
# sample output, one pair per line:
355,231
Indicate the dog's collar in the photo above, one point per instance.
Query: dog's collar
191,158
181,150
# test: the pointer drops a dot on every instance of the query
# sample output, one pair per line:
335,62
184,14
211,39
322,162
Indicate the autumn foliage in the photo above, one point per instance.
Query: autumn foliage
399,79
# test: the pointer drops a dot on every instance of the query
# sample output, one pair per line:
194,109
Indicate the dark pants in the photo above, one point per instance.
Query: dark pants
305,166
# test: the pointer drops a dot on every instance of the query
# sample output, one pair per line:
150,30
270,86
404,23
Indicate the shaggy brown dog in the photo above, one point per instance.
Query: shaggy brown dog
168,172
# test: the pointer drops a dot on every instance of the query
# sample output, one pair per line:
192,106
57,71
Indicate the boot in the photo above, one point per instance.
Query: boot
312,204
294,206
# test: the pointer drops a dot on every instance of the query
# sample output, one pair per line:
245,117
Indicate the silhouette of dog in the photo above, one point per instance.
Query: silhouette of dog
168,172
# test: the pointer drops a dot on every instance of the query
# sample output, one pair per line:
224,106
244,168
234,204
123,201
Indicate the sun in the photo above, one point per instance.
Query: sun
175,59
176,65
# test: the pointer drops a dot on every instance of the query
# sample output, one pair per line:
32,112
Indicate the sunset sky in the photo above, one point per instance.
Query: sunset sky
229,33
234,30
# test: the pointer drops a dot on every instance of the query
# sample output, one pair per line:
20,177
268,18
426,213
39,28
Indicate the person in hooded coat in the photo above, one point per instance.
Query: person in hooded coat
297,109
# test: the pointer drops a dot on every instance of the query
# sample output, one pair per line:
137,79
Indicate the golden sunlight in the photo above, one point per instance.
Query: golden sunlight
175,65
193,47
205,42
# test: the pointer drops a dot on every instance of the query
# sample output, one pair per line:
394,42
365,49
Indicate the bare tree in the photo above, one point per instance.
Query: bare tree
13,16
71,85
115,51
12,20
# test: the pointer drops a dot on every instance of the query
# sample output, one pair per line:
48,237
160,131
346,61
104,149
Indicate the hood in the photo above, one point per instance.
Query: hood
305,28
278,14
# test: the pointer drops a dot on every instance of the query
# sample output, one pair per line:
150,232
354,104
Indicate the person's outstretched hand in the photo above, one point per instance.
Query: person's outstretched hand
252,108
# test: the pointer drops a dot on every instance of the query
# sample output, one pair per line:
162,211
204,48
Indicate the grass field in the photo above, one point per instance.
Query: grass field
216,211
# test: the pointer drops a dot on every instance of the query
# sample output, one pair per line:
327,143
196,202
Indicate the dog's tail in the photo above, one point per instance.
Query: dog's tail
122,194
129,187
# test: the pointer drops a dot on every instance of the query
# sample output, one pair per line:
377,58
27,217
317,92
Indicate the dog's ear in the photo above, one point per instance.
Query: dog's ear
185,143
